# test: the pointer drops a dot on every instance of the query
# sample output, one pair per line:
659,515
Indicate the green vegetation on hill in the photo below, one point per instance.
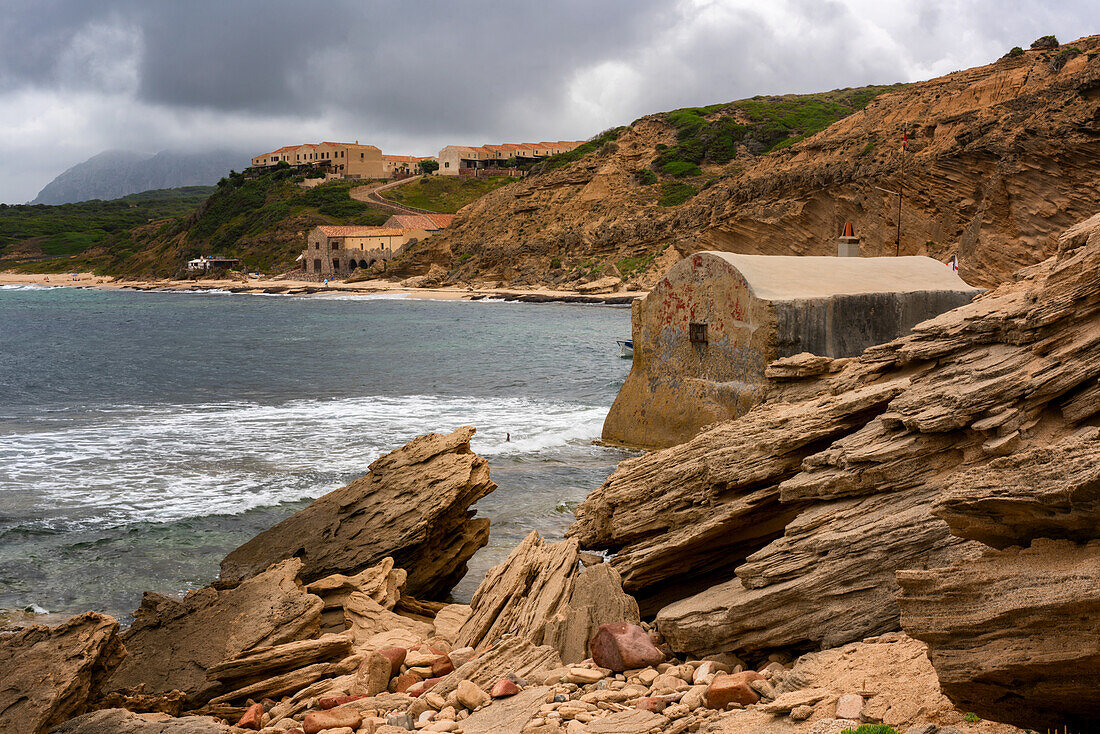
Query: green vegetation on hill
262,220
761,124
444,194
69,229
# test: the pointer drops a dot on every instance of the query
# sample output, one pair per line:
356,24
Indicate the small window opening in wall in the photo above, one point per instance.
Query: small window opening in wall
697,333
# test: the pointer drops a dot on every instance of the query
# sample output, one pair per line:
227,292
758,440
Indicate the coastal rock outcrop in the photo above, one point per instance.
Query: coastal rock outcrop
785,527
540,594
173,643
413,506
1012,634
48,674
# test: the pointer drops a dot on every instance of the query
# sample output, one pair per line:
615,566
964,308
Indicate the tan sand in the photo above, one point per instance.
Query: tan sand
259,285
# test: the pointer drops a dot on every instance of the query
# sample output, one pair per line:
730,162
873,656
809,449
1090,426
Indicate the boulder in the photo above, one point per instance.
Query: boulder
121,721
252,718
173,643
412,507
49,674
373,675
470,695
622,646
1012,634
507,714
365,619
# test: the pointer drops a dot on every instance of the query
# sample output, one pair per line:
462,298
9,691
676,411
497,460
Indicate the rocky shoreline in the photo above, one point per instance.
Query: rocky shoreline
906,538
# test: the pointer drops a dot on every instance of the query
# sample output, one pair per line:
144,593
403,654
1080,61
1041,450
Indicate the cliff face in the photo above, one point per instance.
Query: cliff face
1000,159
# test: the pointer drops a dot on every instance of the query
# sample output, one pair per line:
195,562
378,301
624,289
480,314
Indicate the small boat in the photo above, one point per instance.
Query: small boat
626,348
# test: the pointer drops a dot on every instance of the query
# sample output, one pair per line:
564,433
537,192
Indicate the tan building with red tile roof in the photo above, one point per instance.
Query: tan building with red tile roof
453,159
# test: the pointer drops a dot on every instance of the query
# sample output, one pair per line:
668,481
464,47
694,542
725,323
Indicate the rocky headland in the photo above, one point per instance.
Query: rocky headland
908,538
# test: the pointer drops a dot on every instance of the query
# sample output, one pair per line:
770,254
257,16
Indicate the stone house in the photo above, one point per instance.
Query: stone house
335,250
704,335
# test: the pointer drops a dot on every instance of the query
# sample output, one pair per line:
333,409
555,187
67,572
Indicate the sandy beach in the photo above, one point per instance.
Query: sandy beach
306,287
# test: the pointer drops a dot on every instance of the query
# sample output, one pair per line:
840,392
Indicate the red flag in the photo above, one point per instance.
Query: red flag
904,140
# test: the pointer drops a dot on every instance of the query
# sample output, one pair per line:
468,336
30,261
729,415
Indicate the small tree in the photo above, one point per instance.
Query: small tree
427,167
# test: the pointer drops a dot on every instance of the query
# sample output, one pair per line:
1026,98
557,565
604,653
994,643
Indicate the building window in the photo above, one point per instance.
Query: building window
446,164
697,333
335,264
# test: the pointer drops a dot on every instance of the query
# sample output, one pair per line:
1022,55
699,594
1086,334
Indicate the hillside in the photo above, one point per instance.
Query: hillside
263,220
444,194
37,231
1000,159
115,173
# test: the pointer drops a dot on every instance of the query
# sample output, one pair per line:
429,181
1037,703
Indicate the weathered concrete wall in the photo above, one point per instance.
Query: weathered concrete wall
845,325
676,387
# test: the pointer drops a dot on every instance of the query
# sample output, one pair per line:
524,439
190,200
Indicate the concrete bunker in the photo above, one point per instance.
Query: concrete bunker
705,333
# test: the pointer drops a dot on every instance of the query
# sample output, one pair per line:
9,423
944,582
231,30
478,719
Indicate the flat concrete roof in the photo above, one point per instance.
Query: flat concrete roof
794,277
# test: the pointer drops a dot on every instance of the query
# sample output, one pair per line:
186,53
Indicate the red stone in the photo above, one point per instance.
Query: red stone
251,718
732,688
418,689
405,680
396,656
504,687
622,646
441,666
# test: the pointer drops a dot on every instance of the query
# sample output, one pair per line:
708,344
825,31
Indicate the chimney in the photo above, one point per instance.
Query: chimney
848,244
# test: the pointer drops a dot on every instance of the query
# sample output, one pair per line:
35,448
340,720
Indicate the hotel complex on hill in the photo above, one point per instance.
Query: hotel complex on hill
355,161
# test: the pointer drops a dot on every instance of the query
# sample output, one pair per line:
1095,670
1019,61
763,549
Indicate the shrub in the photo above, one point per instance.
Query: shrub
868,149
646,176
872,729
972,718
674,193
555,264
1045,42
1066,54
1016,51
680,168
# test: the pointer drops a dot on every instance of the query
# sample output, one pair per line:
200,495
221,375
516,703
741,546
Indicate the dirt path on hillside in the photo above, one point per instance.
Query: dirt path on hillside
372,195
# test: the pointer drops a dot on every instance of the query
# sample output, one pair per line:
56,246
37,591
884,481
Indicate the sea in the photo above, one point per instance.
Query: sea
145,434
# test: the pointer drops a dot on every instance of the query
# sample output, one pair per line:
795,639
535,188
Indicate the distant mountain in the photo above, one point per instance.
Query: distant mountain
115,173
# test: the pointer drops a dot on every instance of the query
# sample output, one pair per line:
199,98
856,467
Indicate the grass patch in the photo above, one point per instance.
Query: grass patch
674,193
680,168
872,729
646,176
631,265
444,194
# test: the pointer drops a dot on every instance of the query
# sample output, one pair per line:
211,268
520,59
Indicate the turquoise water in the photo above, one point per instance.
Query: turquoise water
143,435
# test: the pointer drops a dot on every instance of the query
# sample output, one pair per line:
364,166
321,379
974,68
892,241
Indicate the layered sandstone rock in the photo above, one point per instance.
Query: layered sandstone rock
48,674
120,721
786,527
172,644
539,594
413,506
1012,635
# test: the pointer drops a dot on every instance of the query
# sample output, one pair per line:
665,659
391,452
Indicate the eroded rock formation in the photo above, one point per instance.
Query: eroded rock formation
49,674
540,594
785,528
1013,634
413,506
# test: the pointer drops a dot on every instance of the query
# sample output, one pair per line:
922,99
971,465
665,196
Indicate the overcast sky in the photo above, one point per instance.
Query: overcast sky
78,77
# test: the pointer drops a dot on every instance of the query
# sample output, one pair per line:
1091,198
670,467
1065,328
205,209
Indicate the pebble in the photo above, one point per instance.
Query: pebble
584,675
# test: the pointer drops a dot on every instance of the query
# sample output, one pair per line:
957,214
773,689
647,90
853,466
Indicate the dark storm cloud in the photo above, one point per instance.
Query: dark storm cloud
81,76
